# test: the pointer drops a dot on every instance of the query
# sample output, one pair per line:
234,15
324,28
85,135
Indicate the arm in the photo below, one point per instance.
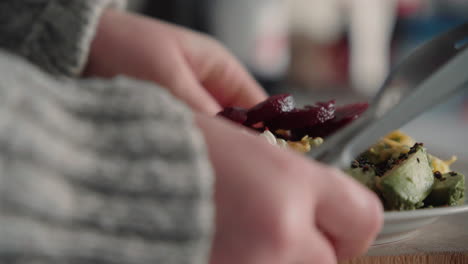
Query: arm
103,171
95,171
53,34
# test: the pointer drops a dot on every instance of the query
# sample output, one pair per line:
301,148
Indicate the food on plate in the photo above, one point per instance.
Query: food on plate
397,168
284,124
406,177
403,182
448,189
304,145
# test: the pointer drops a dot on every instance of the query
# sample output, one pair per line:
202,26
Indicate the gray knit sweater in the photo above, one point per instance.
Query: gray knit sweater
92,171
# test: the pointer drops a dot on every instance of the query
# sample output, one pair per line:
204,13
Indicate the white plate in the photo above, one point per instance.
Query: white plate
402,225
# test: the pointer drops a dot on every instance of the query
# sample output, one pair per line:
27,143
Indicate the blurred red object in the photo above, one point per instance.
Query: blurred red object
407,8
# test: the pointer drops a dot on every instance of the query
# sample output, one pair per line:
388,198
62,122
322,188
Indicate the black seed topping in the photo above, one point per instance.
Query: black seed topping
438,175
398,161
365,167
418,160
414,147
452,173
363,160
382,167
403,156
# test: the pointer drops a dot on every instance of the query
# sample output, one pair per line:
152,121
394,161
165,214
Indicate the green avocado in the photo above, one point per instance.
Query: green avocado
407,183
364,176
447,190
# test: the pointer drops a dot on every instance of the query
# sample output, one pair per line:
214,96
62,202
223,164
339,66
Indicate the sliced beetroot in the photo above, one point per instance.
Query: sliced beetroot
270,108
235,114
351,111
299,118
346,114
279,112
328,105
343,116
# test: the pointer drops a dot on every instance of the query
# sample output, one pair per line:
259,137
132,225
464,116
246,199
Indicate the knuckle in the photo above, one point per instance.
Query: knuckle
286,237
282,225
287,231
286,165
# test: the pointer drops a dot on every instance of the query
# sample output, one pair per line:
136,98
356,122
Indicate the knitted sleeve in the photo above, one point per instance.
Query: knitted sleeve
95,171
53,34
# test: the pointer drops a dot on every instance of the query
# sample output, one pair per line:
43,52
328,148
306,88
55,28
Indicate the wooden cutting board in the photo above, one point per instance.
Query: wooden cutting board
443,242
439,258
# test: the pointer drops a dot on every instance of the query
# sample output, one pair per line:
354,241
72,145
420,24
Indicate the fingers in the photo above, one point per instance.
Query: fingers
164,63
332,218
184,85
266,216
348,214
229,83
220,73
139,47
193,67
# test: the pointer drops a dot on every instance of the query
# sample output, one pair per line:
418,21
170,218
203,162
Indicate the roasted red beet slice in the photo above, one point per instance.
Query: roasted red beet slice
299,118
279,112
343,116
328,105
270,108
235,114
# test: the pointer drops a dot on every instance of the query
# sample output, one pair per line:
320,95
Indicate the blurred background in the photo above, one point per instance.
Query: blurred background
330,49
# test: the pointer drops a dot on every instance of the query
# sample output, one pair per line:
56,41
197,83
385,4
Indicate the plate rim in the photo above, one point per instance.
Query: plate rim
427,212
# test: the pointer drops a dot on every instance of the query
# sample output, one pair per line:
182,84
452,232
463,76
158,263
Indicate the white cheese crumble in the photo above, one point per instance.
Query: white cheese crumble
273,140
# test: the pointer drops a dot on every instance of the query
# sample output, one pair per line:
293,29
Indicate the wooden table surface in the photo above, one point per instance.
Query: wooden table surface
439,258
444,241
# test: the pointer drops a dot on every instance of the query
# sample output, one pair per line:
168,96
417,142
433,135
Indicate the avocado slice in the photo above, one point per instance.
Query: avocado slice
449,189
408,182
364,176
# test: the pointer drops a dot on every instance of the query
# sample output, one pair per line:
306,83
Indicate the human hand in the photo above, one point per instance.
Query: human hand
274,206
194,67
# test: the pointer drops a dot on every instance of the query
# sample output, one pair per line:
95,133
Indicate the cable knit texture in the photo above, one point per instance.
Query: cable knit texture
95,171
92,171
54,34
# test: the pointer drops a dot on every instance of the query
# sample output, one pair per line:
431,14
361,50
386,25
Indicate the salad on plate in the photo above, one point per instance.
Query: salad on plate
397,168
